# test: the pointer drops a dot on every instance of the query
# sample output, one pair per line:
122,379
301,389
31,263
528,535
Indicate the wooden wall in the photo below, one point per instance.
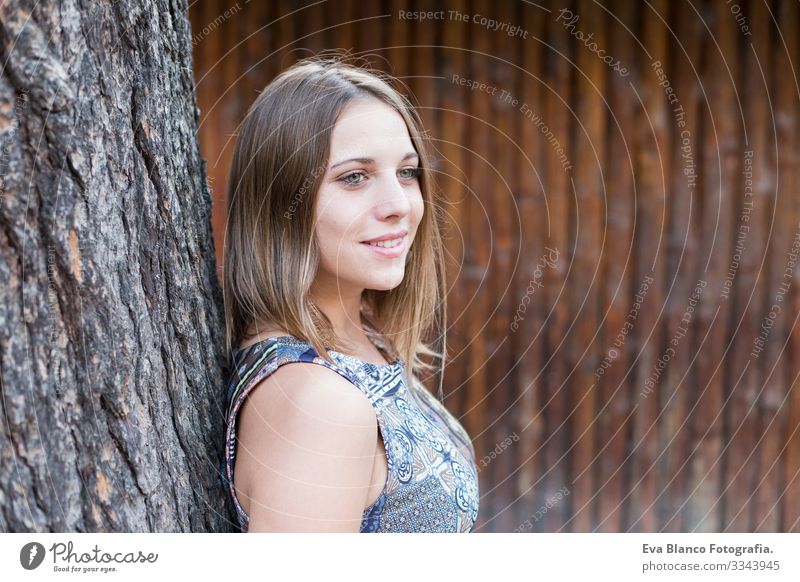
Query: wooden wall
641,240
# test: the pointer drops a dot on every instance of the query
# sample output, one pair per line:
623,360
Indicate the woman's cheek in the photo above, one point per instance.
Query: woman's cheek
419,210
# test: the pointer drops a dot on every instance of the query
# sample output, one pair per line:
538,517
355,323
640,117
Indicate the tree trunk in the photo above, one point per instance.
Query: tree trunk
111,327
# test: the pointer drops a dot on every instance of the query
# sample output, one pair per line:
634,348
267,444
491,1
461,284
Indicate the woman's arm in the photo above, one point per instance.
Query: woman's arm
305,451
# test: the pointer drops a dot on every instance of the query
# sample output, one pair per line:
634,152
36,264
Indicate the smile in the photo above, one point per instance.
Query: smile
387,244
388,248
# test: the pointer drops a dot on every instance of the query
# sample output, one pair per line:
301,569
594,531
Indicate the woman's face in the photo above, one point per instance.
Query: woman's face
370,191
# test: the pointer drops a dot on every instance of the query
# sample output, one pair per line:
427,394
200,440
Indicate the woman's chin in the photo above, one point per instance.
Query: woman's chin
384,283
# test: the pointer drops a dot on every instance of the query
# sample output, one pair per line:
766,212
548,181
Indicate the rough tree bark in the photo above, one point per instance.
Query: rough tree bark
111,352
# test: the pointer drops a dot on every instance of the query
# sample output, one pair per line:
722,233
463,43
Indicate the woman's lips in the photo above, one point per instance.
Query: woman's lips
388,252
390,236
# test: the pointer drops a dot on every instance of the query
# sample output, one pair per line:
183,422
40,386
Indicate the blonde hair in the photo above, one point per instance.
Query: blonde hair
270,252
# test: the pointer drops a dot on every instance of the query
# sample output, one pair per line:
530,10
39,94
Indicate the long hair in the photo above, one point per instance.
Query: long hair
270,252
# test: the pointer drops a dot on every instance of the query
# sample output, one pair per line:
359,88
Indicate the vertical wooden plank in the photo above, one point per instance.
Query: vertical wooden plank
372,20
529,335
648,172
218,79
397,53
421,52
223,107
477,256
421,84
233,98
269,16
682,269
649,241
287,33
210,123
586,213
259,49
775,387
619,282
291,29
703,507
229,97
310,24
788,14
202,59
752,299
345,14
422,78
790,457
247,33
671,390
503,55
556,117
453,128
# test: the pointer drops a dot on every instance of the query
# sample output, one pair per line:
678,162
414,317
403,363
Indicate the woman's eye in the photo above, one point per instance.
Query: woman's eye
347,181
412,173
356,178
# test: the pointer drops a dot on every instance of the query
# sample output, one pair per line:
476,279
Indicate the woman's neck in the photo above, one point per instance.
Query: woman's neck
344,313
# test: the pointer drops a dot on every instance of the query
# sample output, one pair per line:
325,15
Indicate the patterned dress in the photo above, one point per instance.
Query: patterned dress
432,483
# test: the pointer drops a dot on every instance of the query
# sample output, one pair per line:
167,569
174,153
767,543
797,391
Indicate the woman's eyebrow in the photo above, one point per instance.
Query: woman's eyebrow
365,161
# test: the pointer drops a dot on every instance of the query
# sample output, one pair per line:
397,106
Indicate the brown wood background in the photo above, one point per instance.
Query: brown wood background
715,446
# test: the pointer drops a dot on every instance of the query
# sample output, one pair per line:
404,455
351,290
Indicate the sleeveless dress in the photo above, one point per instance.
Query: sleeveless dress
432,483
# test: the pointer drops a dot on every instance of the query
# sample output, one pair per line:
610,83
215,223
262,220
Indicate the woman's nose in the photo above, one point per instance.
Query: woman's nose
394,197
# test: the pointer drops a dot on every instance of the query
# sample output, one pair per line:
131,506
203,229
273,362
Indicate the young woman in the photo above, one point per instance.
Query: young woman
333,264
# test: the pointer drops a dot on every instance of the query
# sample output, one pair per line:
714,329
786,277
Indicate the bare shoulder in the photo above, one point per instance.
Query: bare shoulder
305,450
312,388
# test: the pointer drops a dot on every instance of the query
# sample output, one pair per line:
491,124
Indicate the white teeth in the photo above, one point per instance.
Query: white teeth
387,243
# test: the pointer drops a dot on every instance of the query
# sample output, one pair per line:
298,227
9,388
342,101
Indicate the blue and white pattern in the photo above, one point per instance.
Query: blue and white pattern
432,484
